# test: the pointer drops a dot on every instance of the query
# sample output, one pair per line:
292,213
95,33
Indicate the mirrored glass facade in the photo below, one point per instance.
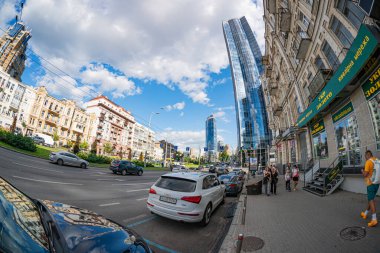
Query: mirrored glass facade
211,135
245,61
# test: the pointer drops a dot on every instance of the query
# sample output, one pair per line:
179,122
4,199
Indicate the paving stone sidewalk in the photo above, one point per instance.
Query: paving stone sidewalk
299,221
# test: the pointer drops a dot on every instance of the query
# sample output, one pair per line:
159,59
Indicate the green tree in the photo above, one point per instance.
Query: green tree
224,156
55,137
13,126
84,145
76,145
178,156
107,148
141,158
94,147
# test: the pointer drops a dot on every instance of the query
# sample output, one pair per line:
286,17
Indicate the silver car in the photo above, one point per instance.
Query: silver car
66,158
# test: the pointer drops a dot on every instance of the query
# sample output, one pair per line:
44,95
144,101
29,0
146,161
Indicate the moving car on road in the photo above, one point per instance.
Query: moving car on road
179,168
232,183
124,167
66,158
188,197
41,226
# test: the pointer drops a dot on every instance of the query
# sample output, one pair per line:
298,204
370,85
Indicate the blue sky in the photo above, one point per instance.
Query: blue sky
176,59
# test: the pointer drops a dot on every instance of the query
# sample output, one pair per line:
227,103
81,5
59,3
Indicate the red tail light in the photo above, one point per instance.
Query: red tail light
152,191
233,185
192,199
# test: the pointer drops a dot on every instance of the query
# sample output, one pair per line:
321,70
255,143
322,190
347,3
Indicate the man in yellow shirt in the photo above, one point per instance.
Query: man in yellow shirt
371,188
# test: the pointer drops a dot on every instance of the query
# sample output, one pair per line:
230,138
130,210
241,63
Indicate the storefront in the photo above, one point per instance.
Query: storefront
319,136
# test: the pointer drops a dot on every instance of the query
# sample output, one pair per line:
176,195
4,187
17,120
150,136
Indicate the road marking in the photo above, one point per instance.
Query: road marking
135,218
137,190
110,204
141,199
106,179
37,167
135,183
44,181
141,221
159,246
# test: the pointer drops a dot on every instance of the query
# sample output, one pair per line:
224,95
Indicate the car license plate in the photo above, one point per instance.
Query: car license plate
168,200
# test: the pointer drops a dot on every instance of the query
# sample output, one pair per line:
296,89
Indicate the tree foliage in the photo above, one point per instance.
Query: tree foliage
107,148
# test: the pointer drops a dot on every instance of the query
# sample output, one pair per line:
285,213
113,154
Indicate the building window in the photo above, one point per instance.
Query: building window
309,2
46,102
330,56
374,107
304,20
353,13
320,146
341,32
319,63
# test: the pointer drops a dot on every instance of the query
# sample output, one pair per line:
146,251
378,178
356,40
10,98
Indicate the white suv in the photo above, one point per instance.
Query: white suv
188,197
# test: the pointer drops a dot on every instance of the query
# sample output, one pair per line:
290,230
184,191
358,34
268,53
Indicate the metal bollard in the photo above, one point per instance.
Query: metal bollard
239,243
243,218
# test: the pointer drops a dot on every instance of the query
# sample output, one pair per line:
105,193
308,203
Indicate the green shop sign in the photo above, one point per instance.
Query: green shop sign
362,48
317,127
347,109
372,86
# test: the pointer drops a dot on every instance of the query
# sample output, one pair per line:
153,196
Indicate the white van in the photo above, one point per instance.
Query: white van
48,139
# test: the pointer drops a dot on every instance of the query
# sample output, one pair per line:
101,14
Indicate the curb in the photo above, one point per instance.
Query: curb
228,245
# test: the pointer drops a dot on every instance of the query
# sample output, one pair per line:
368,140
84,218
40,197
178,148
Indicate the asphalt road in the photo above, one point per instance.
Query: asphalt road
120,198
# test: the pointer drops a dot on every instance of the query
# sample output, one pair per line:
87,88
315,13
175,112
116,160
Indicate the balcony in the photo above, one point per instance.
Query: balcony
318,83
51,120
55,111
303,44
285,20
268,72
273,88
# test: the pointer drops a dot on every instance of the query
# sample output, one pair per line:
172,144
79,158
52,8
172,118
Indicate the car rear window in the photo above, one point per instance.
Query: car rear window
176,184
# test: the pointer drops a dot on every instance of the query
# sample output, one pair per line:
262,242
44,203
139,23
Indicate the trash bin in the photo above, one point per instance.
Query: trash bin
255,188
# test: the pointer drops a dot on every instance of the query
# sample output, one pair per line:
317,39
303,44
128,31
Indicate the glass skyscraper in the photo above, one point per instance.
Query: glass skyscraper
245,61
211,137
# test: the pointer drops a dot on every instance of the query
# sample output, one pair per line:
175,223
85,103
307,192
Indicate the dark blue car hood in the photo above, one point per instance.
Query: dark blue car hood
21,229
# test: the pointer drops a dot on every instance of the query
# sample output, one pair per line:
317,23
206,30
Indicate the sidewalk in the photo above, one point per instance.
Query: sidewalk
302,222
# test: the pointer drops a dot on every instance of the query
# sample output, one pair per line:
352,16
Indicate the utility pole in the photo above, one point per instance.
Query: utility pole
166,150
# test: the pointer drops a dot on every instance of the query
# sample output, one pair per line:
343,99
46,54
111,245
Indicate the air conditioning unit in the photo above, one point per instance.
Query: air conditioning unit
371,8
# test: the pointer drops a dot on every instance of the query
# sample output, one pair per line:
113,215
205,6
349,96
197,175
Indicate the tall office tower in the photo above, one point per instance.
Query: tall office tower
13,45
211,138
245,61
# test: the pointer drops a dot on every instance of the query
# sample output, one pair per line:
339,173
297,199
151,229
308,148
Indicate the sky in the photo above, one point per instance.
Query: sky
149,56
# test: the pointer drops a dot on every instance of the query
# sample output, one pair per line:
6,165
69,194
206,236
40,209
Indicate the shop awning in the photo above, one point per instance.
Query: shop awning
364,45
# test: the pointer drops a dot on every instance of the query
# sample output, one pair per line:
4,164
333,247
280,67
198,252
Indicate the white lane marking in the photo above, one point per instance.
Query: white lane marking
37,167
44,181
141,199
135,218
137,190
110,204
107,179
135,183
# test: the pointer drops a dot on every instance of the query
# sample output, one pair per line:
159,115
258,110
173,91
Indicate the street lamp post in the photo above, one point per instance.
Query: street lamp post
150,121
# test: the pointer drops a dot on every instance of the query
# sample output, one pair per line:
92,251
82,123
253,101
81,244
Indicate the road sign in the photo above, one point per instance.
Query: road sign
175,148
187,149
205,149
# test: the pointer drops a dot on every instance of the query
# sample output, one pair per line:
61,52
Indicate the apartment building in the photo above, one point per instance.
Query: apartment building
143,142
15,101
158,152
50,115
321,83
113,126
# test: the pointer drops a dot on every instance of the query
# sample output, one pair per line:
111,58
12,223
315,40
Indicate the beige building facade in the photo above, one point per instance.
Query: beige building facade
321,71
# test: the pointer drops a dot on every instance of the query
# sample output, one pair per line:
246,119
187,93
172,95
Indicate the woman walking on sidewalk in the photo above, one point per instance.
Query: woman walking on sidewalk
274,179
266,180
295,176
288,178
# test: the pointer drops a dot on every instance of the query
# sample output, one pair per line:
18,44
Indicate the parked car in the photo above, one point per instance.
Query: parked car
188,197
30,225
66,158
232,183
48,140
221,170
179,168
124,167
38,140
239,173
212,169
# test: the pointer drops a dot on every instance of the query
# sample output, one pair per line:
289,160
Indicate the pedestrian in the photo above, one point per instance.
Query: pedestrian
266,180
295,176
371,177
288,178
274,179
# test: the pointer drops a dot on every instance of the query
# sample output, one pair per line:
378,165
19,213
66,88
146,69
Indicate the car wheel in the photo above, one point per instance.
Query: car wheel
114,172
83,166
224,198
207,215
124,172
139,173
60,162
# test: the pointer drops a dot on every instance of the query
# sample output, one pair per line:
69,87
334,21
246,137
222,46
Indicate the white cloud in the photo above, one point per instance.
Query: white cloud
176,106
221,115
178,43
107,81
186,138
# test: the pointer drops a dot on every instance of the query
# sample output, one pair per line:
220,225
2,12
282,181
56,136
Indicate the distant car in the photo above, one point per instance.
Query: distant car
221,170
66,158
232,183
38,140
179,168
212,169
30,225
48,140
188,197
124,167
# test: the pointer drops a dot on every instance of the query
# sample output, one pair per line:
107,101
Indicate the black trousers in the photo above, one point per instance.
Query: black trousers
287,183
273,186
